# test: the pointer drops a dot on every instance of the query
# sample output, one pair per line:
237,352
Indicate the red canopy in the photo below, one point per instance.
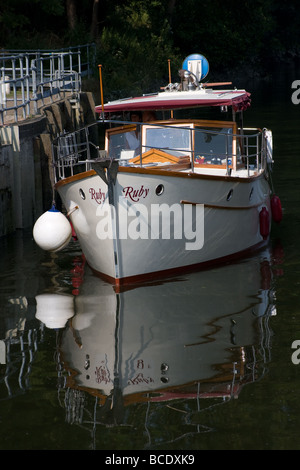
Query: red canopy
239,99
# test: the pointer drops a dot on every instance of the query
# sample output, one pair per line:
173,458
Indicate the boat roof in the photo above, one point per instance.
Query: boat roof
203,97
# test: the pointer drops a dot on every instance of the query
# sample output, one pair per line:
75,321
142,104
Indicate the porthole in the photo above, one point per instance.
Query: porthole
159,190
164,380
229,195
87,362
82,195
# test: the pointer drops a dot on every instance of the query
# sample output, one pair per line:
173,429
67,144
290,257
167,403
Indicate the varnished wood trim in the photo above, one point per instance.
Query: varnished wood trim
156,156
162,172
79,176
159,172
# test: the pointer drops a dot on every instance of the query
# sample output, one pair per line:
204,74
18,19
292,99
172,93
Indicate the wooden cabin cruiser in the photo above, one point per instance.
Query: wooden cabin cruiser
166,195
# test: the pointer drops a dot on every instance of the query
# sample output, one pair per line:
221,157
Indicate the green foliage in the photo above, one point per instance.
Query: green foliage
135,38
135,47
26,24
228,32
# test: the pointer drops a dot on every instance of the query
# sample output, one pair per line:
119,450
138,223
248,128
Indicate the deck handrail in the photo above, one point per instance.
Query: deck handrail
71,150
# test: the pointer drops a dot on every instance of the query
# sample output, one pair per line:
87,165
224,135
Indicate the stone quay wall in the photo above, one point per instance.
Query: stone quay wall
26,178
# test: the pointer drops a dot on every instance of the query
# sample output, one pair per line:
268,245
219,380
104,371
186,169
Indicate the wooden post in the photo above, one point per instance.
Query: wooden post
101,89
170,81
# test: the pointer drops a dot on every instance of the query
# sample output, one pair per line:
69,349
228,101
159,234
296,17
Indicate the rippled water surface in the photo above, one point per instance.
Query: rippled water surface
199,362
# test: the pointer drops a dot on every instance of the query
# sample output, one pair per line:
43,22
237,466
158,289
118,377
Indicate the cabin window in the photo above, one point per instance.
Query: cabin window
124,144
176,140
213,145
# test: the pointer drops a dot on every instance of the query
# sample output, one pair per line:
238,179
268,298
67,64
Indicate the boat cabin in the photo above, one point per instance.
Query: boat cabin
196,143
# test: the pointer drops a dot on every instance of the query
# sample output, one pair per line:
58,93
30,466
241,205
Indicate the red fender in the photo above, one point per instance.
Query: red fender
276,209
74,236
266,275
77,273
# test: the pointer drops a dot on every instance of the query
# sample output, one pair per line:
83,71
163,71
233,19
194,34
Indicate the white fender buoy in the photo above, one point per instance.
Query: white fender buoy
54,310
52,231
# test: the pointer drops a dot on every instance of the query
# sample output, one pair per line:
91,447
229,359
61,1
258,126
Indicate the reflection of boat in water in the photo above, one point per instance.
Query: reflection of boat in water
204,335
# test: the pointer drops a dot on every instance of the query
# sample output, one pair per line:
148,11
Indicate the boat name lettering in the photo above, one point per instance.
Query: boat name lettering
102,374
140,379
135,194
99,196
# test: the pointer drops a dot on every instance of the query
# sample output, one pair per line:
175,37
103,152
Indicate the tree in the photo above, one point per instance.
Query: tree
71,14
94,23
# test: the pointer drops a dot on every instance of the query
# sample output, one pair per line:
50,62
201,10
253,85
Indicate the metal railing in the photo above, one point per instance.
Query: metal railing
77,151
29,78
18,354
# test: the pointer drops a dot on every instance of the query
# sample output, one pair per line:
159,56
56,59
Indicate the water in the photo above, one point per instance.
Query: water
214,348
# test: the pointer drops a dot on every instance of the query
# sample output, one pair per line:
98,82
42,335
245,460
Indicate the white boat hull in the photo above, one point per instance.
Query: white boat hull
225,212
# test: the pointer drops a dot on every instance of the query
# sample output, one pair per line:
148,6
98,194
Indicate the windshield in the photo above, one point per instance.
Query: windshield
207,142
125,143
212,142
176,139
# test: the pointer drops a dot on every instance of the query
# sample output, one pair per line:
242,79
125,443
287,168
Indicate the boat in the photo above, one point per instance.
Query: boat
167,193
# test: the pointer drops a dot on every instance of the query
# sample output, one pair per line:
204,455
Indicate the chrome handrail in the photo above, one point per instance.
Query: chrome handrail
77,148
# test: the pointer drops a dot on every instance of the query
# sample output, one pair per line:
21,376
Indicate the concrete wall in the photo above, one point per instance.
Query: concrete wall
6,190
22,202
26,174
